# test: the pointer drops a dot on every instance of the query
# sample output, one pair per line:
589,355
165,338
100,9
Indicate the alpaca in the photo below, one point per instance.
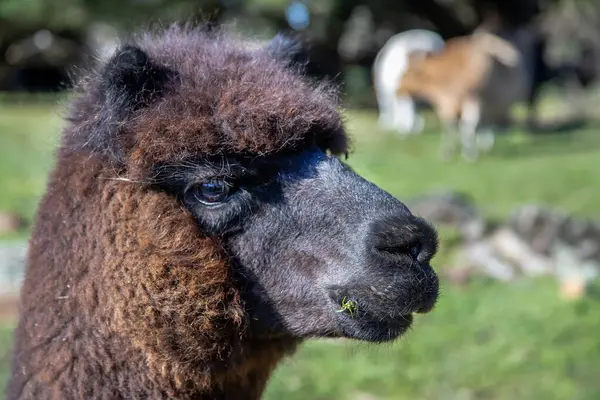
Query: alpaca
199,224
472,82
399,112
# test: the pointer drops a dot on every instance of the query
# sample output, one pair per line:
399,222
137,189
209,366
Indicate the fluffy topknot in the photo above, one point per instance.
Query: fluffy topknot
184,91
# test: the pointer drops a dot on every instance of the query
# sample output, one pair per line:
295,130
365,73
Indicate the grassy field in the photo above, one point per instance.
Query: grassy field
486,341
28,135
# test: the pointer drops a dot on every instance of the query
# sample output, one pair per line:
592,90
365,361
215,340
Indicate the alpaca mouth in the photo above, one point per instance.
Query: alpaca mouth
361,321
372,329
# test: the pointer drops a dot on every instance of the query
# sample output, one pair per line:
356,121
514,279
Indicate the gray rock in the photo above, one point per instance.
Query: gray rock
12,266
544,229
482,257
452,209
510,247
535,241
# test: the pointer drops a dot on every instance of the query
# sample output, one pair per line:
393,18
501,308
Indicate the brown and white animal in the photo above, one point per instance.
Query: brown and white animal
471,84
395,111
198,226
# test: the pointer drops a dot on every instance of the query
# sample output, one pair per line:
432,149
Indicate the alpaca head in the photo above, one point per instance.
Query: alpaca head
246,148
326,253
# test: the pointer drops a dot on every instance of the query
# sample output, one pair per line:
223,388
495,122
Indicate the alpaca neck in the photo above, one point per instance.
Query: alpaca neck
244,375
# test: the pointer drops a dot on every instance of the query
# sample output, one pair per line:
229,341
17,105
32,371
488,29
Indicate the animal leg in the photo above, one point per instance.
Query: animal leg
449,140
406,119
469,121
386,103
419,124
486,139
447,113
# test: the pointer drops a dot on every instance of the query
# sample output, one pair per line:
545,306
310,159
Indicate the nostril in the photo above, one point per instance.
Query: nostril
413,251
402,236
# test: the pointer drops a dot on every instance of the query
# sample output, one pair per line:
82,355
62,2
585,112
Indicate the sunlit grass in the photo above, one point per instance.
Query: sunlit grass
486,341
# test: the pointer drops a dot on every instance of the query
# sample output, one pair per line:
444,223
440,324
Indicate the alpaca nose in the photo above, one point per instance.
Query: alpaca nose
400,235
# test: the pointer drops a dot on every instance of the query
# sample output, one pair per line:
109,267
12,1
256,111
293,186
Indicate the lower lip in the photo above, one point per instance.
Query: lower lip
403,322
375,330
392,331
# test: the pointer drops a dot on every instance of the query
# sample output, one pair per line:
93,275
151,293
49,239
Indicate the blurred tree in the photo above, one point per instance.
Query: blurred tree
75,14
328,26
66,23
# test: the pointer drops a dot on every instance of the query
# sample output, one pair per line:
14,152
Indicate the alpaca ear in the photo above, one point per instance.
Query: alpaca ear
131,80
286,48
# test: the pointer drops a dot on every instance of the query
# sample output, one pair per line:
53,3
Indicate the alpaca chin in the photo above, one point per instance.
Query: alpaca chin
370,329
383,313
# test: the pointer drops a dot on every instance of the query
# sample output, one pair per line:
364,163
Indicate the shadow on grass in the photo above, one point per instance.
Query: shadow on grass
593,291
571,135
554,138
560,126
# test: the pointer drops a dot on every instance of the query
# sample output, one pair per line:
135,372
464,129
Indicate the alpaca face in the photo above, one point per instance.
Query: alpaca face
316,249
241,141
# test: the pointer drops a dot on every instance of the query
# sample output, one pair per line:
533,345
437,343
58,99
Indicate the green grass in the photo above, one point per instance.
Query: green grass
486,341
556,169
5,343
28,135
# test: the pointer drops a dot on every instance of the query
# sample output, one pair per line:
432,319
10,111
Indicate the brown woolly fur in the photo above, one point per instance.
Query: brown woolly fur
195,229
224,98
120,277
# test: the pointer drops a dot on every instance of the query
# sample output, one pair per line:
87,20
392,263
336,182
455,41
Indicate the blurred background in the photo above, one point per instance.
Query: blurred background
519,314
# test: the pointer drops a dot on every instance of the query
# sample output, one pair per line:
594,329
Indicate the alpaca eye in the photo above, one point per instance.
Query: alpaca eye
211,192
415,251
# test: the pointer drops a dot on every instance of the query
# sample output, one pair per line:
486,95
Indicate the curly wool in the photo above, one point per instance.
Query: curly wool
124,296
